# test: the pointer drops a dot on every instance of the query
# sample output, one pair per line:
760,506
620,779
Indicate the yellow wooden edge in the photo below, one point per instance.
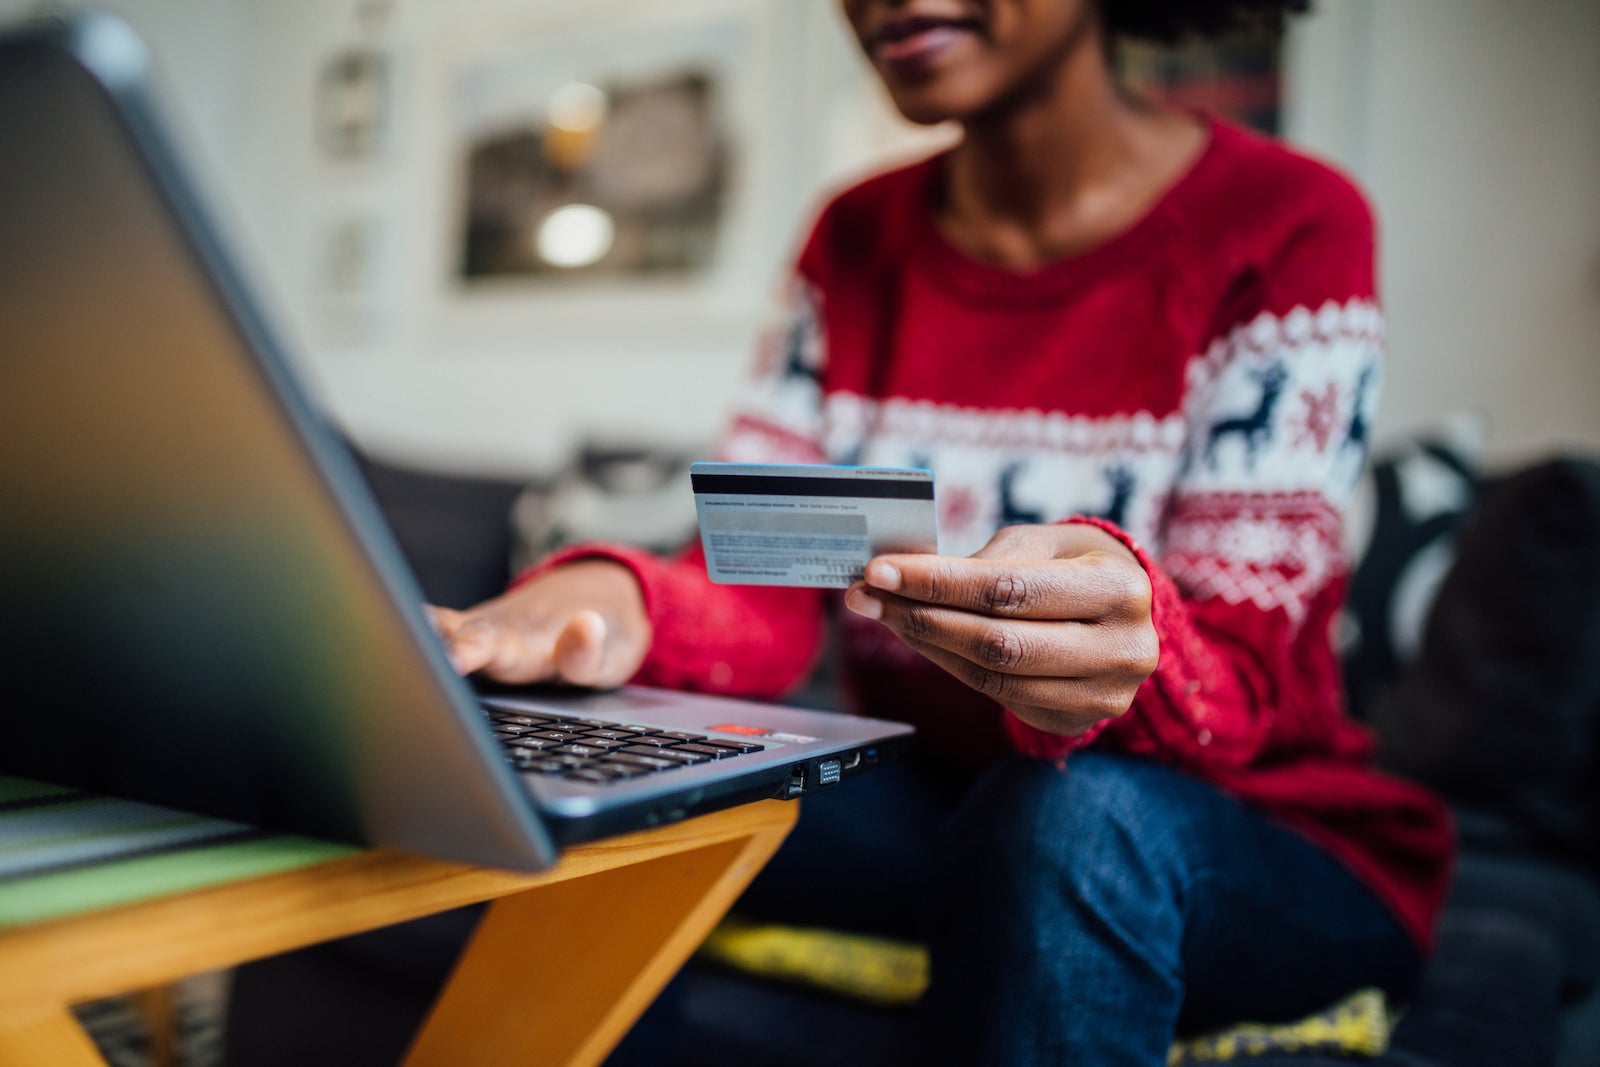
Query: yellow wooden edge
135,947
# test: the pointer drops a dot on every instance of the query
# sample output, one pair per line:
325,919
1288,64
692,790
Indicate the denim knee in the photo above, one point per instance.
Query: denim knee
1054,881
1105,826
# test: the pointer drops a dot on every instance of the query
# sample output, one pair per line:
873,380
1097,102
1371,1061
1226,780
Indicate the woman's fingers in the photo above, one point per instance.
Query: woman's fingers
1025,647
466,655
445,621
514,655
1084,587
1056,705
1052,621
580,650
470,651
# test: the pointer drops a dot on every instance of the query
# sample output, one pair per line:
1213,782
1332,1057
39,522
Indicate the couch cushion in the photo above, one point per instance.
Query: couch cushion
1500,710
1559,899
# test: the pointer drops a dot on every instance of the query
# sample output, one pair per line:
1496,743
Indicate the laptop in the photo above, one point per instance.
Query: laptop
200,603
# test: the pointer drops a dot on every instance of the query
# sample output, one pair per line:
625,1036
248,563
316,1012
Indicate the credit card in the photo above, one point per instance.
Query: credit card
796,524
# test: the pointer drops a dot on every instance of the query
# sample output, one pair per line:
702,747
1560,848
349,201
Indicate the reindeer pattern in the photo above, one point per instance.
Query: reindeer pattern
1355,434
1254,429
979,493
1268,410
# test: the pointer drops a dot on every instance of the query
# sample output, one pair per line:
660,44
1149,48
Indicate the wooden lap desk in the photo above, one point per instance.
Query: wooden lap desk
562,964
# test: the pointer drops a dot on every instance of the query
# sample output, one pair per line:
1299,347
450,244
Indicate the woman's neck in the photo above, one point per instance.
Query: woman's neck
1064,165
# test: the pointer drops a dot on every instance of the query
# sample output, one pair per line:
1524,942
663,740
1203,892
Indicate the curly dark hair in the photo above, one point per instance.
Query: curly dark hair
1170,21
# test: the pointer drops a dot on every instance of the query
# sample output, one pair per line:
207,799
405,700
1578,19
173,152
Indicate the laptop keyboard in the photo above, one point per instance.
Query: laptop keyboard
599,752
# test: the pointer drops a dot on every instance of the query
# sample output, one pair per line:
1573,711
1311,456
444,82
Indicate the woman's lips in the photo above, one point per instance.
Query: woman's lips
918,47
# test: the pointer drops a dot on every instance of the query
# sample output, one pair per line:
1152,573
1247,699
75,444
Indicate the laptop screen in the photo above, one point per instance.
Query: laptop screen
201,608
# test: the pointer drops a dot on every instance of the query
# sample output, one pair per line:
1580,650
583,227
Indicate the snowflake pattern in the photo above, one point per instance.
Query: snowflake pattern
1320,416
958,508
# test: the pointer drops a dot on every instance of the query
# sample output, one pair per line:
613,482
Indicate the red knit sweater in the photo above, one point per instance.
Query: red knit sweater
1201,385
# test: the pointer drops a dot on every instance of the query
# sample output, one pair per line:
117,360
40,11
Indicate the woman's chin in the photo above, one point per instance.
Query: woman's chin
931,103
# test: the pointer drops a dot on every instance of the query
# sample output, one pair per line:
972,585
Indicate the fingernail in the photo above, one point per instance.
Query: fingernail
883,575
869,607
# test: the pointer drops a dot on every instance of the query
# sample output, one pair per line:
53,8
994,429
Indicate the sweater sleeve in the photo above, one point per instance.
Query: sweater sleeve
1249,572
750,641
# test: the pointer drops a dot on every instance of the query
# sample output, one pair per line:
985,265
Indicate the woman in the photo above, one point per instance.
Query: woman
1139,348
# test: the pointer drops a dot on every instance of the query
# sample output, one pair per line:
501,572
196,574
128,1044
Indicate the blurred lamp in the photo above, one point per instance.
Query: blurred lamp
577,107
575,235
572,125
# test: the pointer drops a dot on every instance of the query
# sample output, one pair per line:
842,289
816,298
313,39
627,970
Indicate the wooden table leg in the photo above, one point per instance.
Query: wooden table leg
557,974
159,1009
54,1038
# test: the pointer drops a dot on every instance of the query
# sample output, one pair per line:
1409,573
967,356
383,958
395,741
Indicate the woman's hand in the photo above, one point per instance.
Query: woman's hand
1051,621
583,623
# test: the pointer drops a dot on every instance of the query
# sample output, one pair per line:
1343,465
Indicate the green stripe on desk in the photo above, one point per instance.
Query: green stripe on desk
105,885
15,790
64,851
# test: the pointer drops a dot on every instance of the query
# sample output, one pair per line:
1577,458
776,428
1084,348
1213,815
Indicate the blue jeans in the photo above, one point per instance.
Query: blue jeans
1084,916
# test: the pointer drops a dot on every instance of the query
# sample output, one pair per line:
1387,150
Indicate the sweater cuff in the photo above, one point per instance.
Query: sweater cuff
1032,741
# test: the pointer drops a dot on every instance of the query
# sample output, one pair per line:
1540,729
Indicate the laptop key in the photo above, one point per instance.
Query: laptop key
593,775
665,753
522,752
737,746
557,735
661,742
543,766
517,720
649,763
707,750
684,737
603,742
579,750
614,735
618,769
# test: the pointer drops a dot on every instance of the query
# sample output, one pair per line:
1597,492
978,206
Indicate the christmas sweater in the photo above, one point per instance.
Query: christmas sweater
1200,385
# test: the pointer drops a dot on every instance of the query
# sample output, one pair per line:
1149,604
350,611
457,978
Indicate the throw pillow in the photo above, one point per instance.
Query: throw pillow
1502,709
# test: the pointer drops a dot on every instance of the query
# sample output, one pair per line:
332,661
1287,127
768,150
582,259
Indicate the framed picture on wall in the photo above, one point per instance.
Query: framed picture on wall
611,161
614,175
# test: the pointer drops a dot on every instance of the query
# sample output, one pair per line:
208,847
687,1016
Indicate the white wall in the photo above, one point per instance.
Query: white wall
1475,124
199,44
